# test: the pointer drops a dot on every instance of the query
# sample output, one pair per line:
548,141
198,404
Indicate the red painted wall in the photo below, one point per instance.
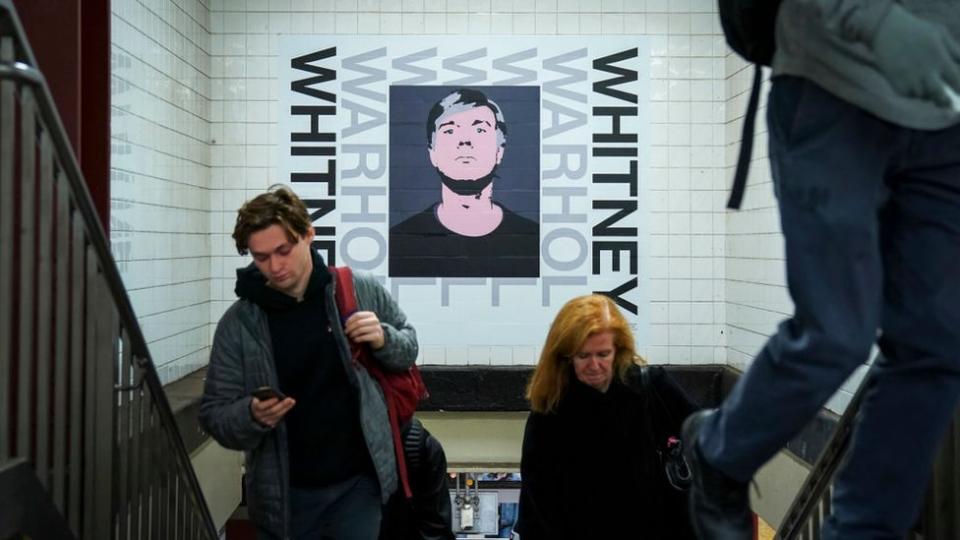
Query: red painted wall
71,41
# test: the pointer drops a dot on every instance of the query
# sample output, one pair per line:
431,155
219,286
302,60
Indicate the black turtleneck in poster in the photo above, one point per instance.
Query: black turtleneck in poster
324,437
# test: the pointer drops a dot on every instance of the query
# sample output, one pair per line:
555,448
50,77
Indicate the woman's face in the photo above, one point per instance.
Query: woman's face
593,363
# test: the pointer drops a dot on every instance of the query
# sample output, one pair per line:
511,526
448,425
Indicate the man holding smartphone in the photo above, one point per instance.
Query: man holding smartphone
281,385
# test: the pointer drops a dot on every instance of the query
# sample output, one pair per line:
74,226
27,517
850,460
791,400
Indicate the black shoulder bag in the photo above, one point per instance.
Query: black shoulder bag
671,452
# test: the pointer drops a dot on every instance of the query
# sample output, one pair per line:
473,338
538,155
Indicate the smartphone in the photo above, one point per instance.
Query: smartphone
266,392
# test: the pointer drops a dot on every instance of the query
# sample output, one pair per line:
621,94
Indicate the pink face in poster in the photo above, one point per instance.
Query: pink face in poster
466,146
465,231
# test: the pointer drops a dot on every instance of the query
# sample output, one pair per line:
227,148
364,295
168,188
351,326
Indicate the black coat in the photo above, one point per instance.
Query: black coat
428,515
591,469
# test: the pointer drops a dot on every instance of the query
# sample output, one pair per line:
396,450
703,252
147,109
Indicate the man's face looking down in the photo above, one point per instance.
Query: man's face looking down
465,144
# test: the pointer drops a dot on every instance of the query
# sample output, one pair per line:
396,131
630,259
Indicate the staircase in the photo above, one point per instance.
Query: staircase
86,432
940,517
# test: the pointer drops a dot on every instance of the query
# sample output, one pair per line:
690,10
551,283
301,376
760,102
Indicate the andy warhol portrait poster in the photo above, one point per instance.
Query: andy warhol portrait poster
484,180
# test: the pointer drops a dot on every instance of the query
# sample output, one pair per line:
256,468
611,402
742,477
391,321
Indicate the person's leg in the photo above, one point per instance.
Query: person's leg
355,515
307,509
915,385
263,534
349,510
829,161
394,517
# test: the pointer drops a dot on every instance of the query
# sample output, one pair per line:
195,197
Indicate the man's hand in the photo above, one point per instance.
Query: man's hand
269,412
919,58
364,327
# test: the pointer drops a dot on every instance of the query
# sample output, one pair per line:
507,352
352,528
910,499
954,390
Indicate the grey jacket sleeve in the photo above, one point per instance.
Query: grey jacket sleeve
852,20
400,347
225,406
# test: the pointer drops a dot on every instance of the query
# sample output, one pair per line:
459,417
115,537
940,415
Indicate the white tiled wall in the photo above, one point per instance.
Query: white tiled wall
755,285
688,121
160,174
195,107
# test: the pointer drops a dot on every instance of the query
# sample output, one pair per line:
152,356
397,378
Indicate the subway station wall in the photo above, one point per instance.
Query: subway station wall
161,190
201,123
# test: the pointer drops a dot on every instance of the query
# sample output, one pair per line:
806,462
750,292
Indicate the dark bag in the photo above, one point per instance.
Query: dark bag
670,451
748,26
402,390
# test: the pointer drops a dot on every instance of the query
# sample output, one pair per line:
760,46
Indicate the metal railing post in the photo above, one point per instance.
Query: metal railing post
89,414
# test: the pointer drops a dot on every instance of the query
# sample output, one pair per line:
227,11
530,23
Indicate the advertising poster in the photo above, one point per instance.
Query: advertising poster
484,181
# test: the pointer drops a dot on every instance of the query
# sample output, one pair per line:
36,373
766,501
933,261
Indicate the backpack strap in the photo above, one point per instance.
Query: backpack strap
650,391
746,142
344,293
412,442
346,298
645,379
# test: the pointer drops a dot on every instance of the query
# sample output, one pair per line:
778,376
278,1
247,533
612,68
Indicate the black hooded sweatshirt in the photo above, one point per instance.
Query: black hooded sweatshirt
323,429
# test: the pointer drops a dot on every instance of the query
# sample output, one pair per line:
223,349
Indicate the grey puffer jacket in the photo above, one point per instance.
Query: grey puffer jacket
241,360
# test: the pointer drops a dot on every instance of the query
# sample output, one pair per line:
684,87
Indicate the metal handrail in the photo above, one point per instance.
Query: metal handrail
811,506
108,350
940,517
22,72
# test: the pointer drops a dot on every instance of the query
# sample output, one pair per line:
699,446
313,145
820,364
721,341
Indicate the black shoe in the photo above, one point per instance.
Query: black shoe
719,505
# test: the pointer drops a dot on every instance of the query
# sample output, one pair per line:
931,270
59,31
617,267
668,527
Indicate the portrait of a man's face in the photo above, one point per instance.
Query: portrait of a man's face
460,207
465,144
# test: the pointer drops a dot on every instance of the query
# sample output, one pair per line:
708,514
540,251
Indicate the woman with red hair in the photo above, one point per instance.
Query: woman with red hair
600,436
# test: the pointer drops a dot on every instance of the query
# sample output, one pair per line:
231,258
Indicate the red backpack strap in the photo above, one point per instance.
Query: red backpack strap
344,293
347,305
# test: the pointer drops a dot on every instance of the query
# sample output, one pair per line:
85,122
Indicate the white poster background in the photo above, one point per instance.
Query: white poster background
464,312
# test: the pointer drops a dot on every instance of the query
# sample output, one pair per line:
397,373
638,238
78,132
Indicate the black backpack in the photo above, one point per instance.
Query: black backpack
748,26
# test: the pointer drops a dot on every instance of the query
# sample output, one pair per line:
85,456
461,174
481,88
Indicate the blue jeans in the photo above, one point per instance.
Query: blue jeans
870,214
349,510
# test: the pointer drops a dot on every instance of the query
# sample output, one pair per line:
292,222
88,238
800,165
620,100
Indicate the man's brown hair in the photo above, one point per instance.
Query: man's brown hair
279,206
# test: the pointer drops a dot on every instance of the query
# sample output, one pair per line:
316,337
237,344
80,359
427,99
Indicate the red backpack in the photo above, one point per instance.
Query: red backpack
402,390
